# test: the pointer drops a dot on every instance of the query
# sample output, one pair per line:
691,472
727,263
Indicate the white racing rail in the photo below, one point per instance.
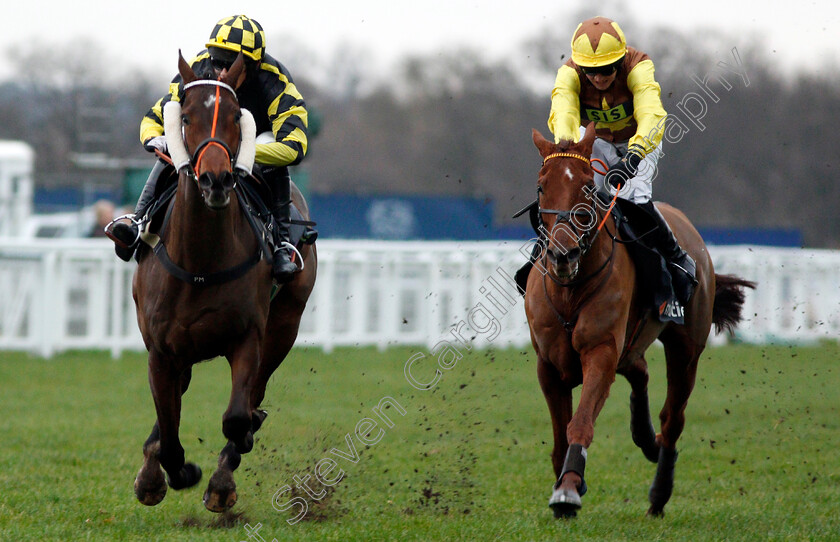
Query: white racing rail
58,295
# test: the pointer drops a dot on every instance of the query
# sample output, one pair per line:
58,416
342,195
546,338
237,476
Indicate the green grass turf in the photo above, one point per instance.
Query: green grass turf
469,460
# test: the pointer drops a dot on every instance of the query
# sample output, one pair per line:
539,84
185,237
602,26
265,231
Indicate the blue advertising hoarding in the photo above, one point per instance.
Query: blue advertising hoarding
402,217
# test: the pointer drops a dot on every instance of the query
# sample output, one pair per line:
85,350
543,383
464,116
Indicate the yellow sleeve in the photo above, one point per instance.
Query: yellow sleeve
276,154
564,118
152,123
150,128
289,121
647,106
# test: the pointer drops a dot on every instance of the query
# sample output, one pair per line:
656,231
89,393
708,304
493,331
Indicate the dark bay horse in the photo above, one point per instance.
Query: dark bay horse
225,308
588,323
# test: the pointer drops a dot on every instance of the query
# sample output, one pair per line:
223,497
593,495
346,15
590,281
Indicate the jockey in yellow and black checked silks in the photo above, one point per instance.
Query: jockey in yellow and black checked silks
268,92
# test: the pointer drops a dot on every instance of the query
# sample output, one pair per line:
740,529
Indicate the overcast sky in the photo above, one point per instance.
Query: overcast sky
148,34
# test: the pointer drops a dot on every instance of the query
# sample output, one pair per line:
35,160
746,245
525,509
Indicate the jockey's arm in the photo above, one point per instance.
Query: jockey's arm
152,123
289,120
564,118
647,107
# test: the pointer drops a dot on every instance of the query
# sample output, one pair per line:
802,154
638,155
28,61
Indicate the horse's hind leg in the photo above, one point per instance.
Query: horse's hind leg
681,355
641,426
280,337
163,449
236,426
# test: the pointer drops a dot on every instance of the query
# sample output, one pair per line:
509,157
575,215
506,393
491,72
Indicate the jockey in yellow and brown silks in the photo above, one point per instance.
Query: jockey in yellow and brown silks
279,111
608,83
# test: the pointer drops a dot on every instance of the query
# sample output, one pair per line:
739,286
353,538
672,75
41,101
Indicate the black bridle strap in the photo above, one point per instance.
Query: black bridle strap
568,325
564,215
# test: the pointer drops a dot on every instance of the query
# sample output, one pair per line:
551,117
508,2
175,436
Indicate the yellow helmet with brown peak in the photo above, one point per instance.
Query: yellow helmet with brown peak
598,42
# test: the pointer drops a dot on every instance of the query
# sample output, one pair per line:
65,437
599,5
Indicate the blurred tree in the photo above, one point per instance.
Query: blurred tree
455,123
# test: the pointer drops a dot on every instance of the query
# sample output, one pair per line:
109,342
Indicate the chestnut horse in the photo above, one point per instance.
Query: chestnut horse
588,323
223,307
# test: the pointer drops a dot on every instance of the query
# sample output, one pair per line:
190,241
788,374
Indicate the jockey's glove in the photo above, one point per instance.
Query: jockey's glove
625,169
153,143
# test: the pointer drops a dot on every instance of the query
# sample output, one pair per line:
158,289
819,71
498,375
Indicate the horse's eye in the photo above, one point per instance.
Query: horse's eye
185,120
237,117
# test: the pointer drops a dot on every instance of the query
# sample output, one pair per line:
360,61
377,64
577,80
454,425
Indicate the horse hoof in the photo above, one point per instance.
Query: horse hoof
656,512
564,503
663,482
189,476
221,492
150,486
218,503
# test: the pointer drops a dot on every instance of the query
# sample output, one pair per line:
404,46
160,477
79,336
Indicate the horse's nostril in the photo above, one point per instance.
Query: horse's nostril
205,181
564,256
227,180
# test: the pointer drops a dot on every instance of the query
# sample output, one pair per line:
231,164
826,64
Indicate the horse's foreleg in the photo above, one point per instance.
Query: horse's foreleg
558,396
236,425
163,447
150,484
681,356
641,425
598,365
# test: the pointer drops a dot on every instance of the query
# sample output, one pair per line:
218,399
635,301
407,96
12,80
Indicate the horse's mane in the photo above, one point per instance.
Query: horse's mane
565,144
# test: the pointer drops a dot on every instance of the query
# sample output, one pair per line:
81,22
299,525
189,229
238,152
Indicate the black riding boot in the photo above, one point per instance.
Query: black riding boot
283,268
681,265
125,235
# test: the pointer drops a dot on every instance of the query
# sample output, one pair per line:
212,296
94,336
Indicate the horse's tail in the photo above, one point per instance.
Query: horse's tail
729,300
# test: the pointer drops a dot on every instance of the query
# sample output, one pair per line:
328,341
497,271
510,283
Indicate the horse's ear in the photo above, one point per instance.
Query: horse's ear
588,139
545,146
235,76
187,73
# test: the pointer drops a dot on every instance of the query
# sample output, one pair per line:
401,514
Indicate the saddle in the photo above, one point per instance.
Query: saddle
636,229
253,194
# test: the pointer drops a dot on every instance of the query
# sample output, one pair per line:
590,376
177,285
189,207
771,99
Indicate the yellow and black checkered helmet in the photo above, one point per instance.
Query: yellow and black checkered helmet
598,42
239,33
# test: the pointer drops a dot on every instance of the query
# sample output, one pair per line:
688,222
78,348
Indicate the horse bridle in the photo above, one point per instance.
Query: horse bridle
586,240
195,157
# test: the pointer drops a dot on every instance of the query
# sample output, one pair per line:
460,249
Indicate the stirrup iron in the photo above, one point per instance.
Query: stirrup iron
292,248
130,216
